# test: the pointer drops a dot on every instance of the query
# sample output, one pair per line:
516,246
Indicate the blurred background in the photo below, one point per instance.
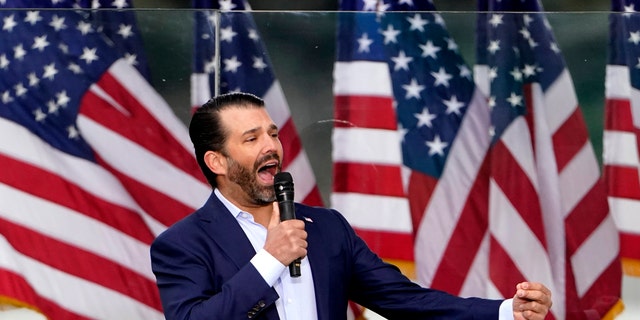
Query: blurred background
301,45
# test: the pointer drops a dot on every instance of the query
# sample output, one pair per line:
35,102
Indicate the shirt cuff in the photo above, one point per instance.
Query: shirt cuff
268,267
506,310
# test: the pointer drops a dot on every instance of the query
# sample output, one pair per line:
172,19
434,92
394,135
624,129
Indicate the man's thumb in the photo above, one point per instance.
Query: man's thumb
275,216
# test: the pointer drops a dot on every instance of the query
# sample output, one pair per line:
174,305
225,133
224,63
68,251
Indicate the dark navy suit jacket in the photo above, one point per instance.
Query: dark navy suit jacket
203,272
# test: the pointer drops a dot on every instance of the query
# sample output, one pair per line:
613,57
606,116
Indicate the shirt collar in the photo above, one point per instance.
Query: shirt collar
235,211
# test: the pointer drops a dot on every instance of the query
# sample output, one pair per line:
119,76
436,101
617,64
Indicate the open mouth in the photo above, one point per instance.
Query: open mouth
268,171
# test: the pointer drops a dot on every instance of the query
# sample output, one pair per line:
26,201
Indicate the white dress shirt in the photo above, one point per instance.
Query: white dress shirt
297,295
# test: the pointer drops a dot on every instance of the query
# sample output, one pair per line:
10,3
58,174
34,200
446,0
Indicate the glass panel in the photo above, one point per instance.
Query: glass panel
90,170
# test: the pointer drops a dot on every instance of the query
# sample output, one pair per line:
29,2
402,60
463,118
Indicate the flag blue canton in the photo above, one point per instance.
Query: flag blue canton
359,37
530,55
624,43
244,63
432,85
48,60
120,27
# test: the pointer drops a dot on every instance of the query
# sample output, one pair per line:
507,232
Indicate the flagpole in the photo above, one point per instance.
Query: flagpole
216,55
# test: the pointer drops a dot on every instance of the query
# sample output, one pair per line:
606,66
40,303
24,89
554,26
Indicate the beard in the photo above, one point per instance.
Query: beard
246,179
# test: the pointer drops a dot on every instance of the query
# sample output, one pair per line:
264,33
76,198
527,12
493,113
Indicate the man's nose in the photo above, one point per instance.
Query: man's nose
270,144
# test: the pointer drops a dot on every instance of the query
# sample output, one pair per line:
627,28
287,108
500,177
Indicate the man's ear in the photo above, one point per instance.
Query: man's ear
216,162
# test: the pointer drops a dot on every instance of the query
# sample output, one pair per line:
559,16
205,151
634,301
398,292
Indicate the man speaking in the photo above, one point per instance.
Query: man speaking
235,258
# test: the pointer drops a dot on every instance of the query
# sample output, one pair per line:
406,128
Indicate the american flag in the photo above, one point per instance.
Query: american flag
546,191
228,48
402,92
94,165
622,129
501,189
367,157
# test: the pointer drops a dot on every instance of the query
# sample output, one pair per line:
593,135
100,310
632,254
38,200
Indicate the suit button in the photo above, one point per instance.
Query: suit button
261,304
251,314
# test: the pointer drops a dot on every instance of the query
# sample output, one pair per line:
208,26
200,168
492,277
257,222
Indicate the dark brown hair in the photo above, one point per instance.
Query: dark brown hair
206,130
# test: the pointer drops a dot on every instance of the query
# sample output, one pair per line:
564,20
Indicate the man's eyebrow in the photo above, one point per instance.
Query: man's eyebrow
251,131
254,130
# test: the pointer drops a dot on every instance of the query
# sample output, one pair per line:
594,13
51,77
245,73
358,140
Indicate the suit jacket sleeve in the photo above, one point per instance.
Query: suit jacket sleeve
197,280
382,288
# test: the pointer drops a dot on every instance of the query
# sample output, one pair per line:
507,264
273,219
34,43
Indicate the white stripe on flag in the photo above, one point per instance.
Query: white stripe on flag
151,100
373,212
475,282
600,240
364,78
173,182
625,213
578,178
621,148
558,105
517,132
506,222
277,104
200,89
617,85
300,168
367,152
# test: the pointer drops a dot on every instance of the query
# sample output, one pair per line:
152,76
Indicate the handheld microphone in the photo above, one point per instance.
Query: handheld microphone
283,185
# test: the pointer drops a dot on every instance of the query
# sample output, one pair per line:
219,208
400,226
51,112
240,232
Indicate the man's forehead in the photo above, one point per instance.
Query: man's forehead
243,119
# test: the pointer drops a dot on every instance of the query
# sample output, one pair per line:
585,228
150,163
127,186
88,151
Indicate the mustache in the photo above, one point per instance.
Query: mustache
268,157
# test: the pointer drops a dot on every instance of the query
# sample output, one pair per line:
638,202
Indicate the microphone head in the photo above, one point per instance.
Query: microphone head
283,186
282,177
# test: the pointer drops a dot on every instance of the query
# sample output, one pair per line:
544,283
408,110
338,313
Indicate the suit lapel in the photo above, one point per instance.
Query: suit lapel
223,229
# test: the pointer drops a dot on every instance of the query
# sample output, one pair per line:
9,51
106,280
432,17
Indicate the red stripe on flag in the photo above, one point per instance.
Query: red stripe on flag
21,175
599,297
502,270
588,214
618,115
389,245
598,300
376,179
623,182
365,112
313,198
630,245
158,205
81,263
467,236
517,187
14,286
419,192
139,125
569,139
290,142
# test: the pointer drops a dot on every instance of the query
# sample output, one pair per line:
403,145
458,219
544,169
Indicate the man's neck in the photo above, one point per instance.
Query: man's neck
261,213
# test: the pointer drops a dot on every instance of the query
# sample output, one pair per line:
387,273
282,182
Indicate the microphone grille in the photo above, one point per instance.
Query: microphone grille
282,177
